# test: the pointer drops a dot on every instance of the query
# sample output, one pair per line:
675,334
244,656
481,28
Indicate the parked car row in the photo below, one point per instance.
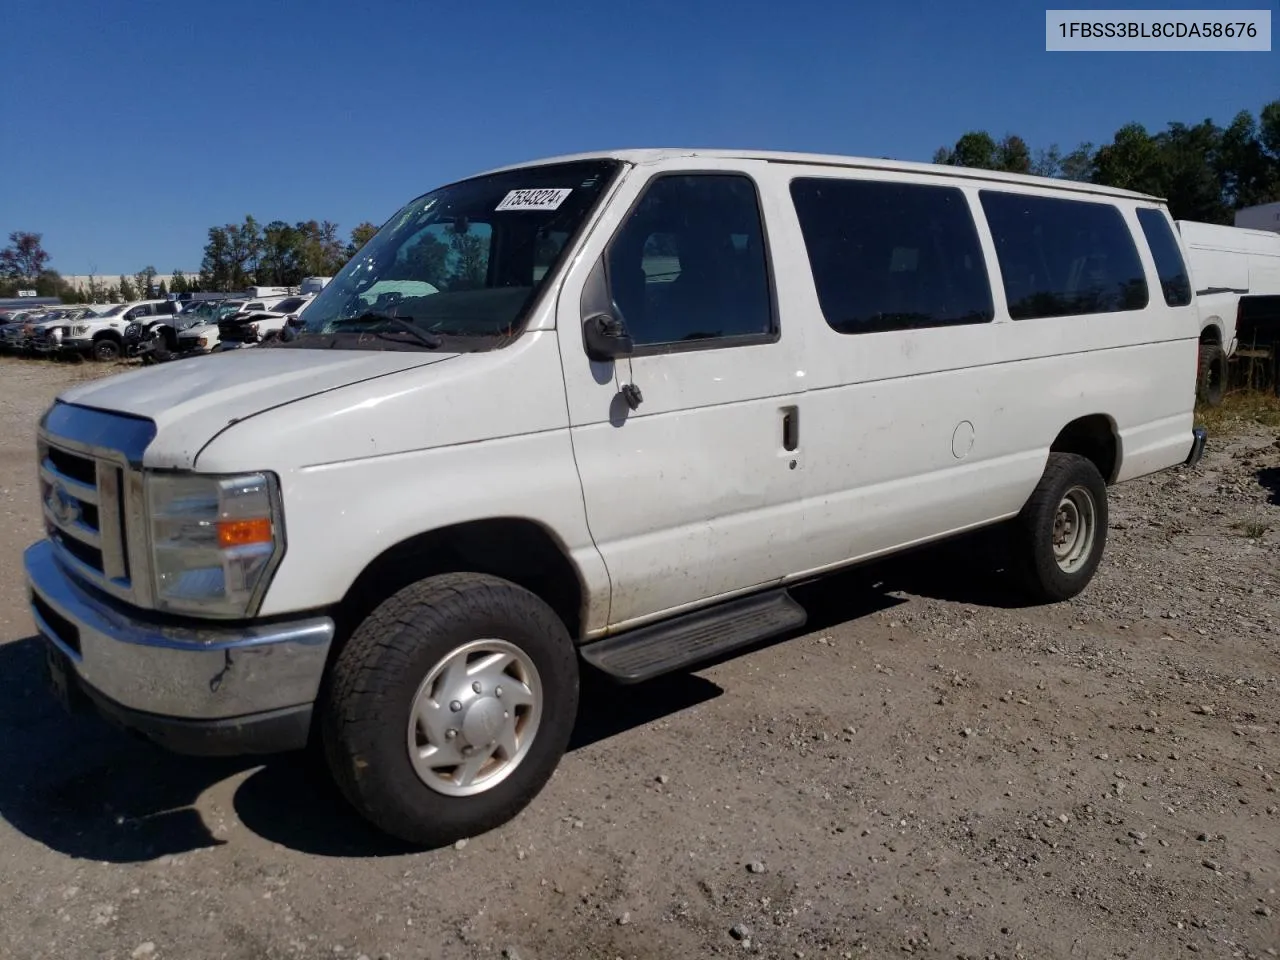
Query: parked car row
156,330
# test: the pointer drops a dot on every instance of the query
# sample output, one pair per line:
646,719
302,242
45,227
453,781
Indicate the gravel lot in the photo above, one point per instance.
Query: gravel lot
930,770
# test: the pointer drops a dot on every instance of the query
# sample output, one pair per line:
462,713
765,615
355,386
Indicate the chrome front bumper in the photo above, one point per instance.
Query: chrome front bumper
212,684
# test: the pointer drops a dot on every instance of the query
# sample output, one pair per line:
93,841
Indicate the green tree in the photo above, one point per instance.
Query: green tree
1047,163
179,282
143,281
25,258
215,266
360,235
164,289
96,290
126,289
280,262
1192,185
1131,161
973,149
1013,155
1078,164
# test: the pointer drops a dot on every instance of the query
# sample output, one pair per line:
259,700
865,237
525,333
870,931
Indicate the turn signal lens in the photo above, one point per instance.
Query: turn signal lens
241,533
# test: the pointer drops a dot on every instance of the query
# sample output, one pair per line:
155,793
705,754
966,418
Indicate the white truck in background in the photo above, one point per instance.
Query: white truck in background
1236,272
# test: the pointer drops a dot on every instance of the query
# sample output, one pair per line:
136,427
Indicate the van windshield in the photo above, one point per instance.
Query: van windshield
462,264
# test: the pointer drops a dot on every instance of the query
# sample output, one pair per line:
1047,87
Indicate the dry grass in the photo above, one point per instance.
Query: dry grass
1240,408
1251,529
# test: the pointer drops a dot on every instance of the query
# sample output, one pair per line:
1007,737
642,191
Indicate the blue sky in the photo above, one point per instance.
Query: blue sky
132,126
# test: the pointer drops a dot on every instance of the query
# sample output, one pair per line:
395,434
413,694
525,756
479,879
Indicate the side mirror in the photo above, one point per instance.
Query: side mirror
606,337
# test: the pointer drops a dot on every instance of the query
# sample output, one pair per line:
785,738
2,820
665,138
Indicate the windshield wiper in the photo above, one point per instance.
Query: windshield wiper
421,334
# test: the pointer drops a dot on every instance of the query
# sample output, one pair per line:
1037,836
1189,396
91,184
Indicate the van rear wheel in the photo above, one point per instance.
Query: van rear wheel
1061,532
450,707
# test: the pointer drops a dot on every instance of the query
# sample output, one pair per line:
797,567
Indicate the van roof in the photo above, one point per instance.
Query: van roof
1222,236
654,155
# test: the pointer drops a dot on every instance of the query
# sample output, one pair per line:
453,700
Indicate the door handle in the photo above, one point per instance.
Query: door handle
790,428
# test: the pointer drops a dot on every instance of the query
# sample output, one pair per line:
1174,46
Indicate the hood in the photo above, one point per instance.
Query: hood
191,401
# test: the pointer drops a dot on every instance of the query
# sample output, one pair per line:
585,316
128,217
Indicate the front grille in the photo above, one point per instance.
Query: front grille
91,501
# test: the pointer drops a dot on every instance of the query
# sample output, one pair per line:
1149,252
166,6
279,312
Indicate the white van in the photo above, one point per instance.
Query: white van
400,533
1231,268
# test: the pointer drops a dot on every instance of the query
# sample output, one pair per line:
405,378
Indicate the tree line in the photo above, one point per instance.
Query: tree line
236,256
1204,171
278,254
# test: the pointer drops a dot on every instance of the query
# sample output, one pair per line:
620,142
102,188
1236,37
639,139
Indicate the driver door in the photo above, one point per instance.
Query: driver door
695,492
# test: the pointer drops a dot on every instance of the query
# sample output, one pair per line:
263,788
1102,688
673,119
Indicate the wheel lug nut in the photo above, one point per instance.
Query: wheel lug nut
476,686
450,734
506,715
467,751
455,706
497,691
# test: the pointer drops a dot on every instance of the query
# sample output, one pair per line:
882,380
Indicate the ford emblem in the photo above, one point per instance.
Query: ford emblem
64,507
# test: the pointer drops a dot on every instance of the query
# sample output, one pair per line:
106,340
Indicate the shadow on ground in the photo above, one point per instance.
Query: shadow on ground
89,791
1269,479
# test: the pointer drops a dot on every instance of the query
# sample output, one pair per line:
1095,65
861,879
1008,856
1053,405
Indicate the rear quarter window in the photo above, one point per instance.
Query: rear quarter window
1061,257
1175,281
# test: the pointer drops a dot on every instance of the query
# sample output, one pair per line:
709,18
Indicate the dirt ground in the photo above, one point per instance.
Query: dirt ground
930,770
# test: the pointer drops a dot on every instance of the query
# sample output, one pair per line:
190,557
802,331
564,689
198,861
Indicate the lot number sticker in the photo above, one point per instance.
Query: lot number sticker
549,199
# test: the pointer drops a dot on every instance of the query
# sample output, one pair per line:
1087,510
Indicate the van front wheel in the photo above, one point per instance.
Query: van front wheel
1061,532
450,707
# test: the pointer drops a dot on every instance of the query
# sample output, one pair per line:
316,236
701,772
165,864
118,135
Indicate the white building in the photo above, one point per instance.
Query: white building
1265,216
81,281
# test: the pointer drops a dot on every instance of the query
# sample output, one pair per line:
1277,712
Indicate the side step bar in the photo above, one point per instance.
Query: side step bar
674,644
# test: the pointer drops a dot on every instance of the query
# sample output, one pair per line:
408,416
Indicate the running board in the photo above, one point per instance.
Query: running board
672,645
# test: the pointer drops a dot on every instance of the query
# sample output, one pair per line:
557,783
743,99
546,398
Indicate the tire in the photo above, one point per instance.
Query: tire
1070,487
106,350
161,348
1211,383
382,675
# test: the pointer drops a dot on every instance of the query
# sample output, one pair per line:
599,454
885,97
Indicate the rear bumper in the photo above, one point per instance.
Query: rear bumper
200,689
1199,438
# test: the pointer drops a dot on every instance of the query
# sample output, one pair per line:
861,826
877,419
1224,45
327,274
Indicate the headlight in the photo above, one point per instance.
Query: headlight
80,328
215,541
204,342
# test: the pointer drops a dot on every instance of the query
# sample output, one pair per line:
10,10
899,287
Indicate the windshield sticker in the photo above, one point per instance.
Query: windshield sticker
546,199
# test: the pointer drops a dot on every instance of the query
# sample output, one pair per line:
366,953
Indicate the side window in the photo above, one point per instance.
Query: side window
689,262
892,256
1064,257
1174,279
253,306
138,312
